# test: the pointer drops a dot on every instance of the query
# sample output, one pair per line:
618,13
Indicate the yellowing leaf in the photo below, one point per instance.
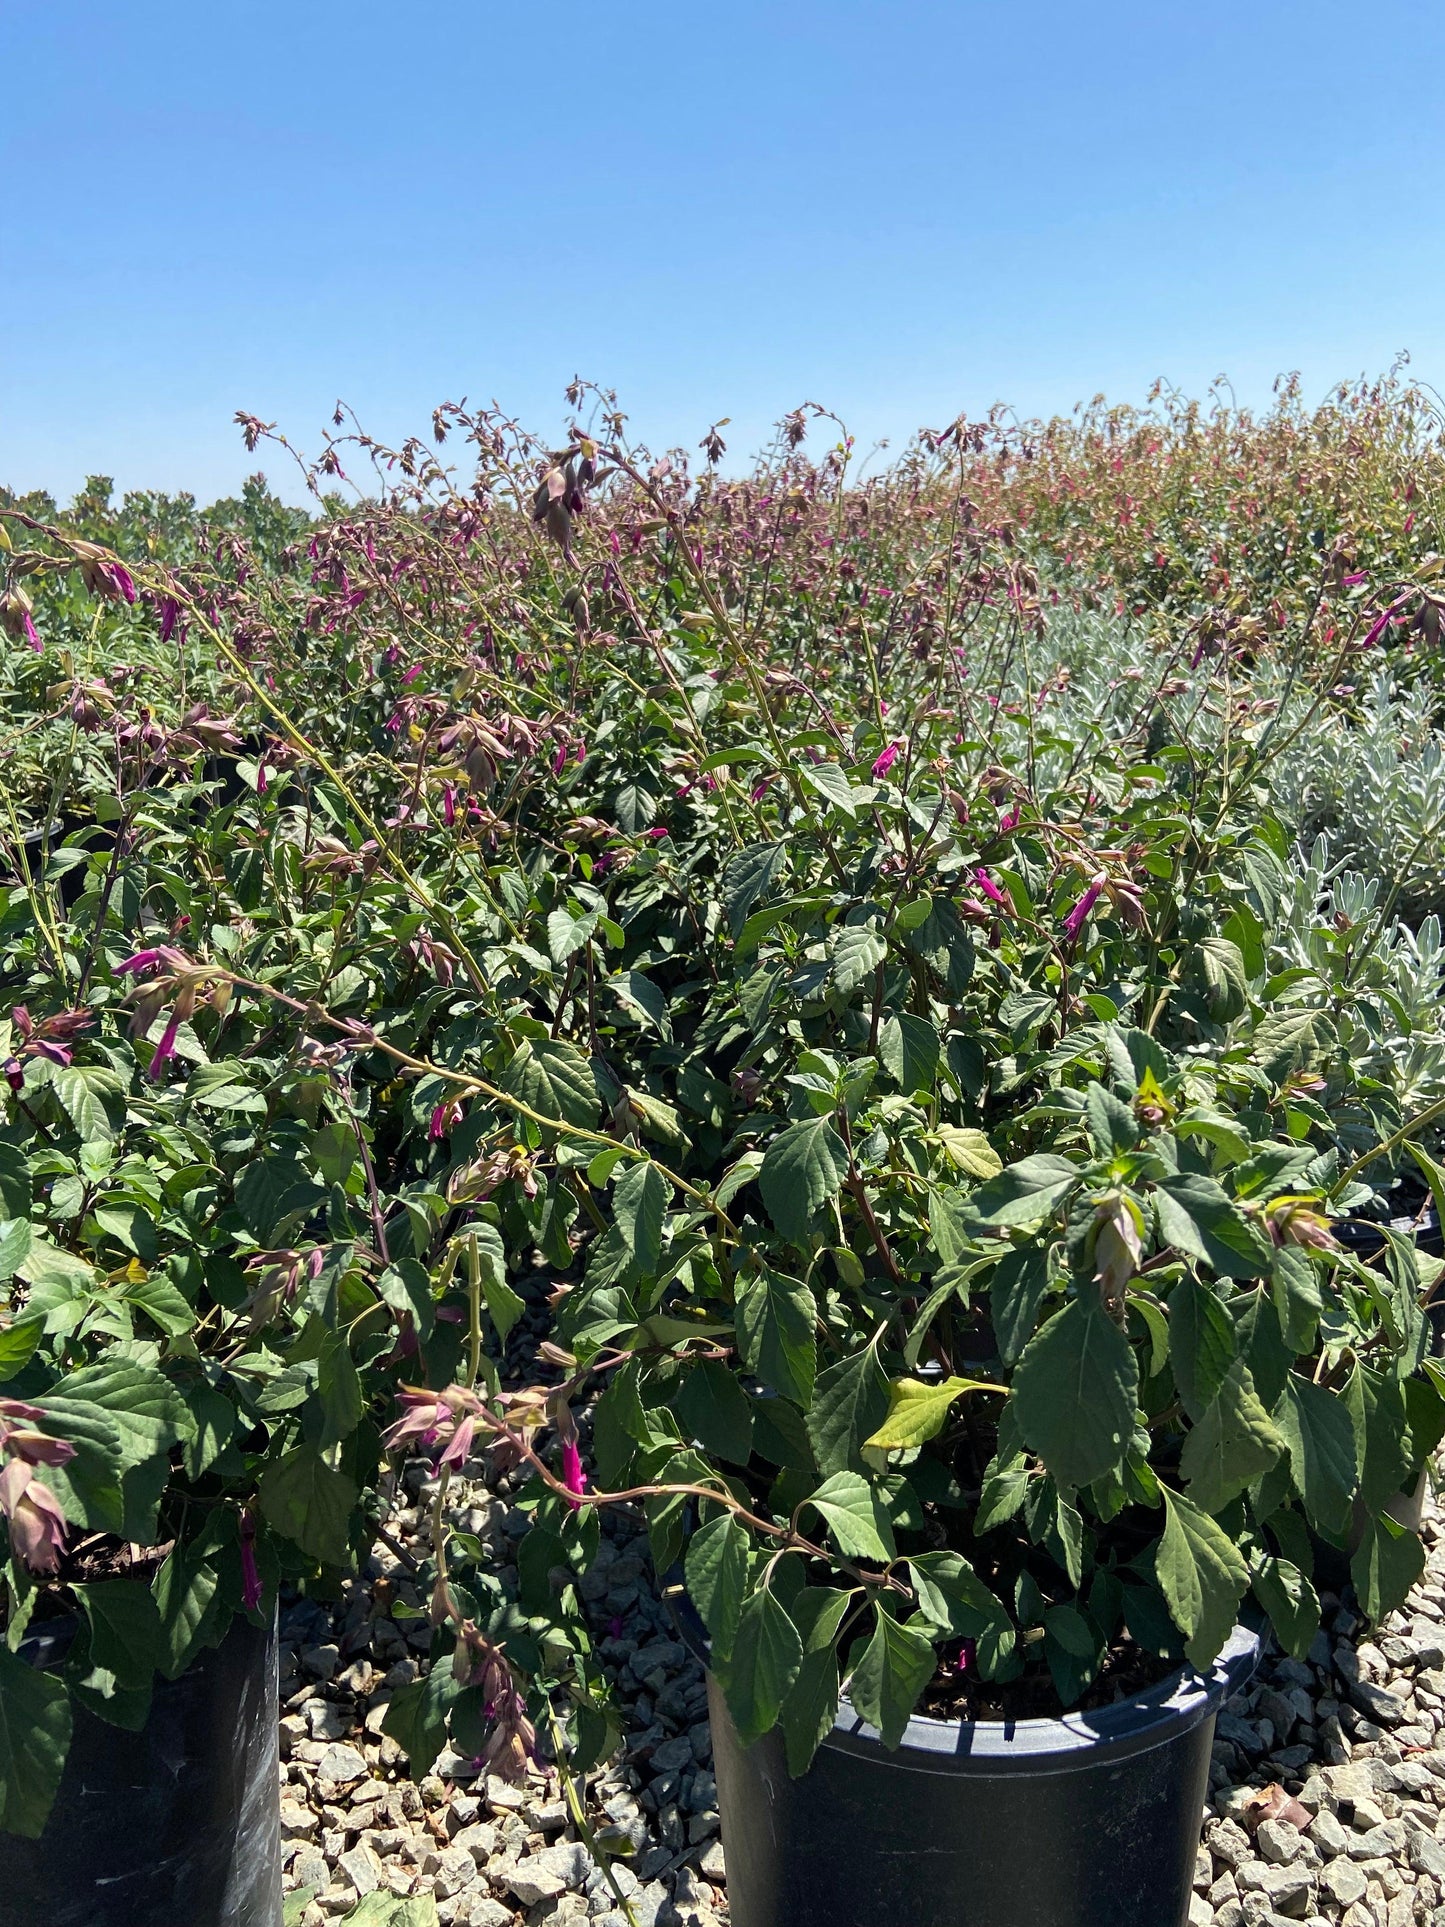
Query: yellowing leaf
970,1151
917,1412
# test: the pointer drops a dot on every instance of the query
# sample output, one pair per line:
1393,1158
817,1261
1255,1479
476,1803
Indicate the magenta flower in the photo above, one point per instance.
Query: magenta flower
1078,916
886,761
559,761
170,616
991,890
30,636
655,834
252,1591
1009,822
573,1475
446,1115
14,1073
166,1048
449,805
263,781
412,673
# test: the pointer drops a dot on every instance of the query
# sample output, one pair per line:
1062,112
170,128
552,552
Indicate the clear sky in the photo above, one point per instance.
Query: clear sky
897,207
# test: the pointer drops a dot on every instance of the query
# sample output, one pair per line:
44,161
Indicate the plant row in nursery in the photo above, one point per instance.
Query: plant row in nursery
937,1139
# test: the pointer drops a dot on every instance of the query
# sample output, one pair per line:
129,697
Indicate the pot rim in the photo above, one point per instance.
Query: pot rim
1149,1718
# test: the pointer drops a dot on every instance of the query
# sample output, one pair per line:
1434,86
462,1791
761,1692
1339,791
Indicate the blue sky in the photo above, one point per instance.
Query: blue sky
897,208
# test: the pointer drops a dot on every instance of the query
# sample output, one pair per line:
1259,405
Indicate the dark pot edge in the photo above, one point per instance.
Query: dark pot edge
1049,1745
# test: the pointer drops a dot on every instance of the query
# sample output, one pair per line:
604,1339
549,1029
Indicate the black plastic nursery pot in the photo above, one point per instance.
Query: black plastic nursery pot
1090,1820
178,1825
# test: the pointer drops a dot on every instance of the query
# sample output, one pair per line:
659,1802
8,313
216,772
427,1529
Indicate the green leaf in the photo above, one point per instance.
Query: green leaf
639,1202
126,1636
1198,1217
310,1502
1219,966
148,1411
1016,1291
338,1386
828,781
893,1669
16,1238
34,1740
185,1593
1026,1191
17,1345
715,1410
1230,1445
1289,1040
1112,1124
759,1672
810,1708
1295,1288
802,1169
971,1151
643,998
15,1184
554,1078
504,1306
1291,1602
856,1516
955,1600
215,1418
1202,1343
1377,1411
918,1411
1386,1565
95,1099
161,1301
849,1402
1075,1392
417,1717
776,1317
567,934
1319,1435
716,1569
748,875
854,955
908,1049
1202,1575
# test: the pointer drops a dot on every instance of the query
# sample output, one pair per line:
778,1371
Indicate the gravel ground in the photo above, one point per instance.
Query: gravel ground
1327,1790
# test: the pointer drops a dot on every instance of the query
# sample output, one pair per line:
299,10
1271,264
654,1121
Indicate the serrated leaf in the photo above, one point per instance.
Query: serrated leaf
716,1569
802,1169
853,956
1202,1575
893,1669
1230,1445
125,1629
776,1317
759,1672
849,1401
971,1151
1202,1343
908,1049
829,781
1198,1217
310,1502
856,1516
1017,1289
810,1709
1319,1435
34,1740
1386,1565
639,1203
748,875
1291,1602
554,1078
1075,1393
1025,1191
1287,1041
715,1410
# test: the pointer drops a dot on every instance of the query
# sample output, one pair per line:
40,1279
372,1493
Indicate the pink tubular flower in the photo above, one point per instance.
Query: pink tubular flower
37,1525
449,805
252,1591
30,633
447,1114
885,762
656,834
573,1475
559,761
991,890
263,781
1009,822
1078,916
432,1419
411,674
166,1048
